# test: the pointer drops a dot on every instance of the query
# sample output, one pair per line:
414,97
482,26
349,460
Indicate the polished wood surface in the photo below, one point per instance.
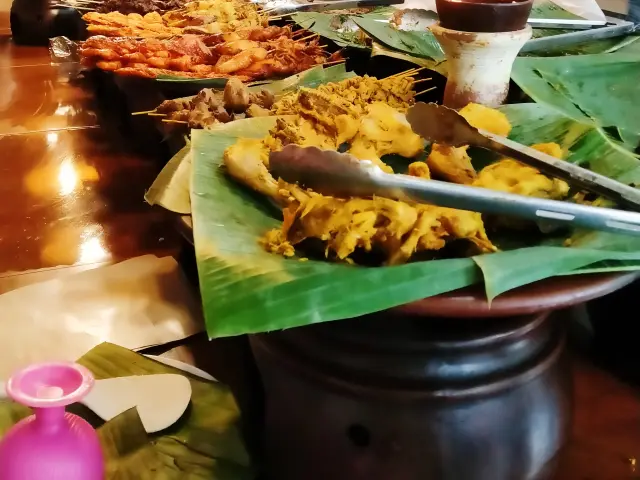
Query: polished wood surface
71,190
71,198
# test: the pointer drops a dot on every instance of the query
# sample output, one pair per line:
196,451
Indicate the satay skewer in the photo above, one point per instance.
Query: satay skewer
425,91
421,80
165,120
307,38
334,62
299,32
146,112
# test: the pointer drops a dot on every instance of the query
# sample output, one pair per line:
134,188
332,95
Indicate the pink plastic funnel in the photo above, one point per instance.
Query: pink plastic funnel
52,444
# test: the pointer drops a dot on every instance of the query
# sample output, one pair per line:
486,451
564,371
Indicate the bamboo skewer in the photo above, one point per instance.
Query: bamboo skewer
278,17
298,32
174,121
154,114
308,37
334,62
425,91
411,71
146,112
421,80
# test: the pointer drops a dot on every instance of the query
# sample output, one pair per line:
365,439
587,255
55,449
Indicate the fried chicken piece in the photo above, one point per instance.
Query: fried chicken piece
510,176
247,161
451,163
486,118
419,169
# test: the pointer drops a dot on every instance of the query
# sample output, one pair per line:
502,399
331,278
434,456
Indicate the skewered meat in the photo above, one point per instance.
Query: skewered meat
138,6
236,95
189,56
210,17
210,106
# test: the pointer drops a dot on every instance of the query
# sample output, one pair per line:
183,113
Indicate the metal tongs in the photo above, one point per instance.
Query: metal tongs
340,174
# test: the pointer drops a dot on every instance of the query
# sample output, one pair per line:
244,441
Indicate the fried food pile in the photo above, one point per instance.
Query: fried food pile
139,6
116,24
205,57
205,17
210,107
357,93
364,117
369,129
215,16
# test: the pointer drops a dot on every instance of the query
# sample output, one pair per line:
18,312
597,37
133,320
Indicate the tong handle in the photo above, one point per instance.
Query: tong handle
500,203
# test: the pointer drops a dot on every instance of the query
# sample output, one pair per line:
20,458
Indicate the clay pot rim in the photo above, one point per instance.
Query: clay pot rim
443,394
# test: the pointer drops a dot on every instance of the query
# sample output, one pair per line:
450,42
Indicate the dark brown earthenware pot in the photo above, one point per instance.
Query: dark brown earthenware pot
484,16
400,397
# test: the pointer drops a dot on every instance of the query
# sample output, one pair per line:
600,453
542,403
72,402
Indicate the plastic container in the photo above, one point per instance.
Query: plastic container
51,444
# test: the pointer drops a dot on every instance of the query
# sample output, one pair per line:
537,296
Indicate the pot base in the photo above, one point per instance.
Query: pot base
413,398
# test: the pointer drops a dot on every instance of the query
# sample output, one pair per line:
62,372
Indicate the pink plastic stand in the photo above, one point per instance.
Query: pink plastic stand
52,444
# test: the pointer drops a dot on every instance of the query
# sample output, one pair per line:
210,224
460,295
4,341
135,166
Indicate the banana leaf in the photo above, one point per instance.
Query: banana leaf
598,89
378,49
171,188
204,444
340,29
247,290
417,44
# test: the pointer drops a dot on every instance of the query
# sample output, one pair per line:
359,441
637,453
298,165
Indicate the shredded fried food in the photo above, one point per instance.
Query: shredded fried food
348,115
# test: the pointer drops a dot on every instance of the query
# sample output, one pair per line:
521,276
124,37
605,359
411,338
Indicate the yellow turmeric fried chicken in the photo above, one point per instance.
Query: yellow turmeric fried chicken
486,118
384,131
419,169
552,149
453,163
247,162
508,175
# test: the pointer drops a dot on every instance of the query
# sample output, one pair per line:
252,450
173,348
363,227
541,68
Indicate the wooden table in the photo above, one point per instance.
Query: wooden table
71,198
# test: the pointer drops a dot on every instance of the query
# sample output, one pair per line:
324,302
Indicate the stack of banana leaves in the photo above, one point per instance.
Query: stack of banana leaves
325,262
